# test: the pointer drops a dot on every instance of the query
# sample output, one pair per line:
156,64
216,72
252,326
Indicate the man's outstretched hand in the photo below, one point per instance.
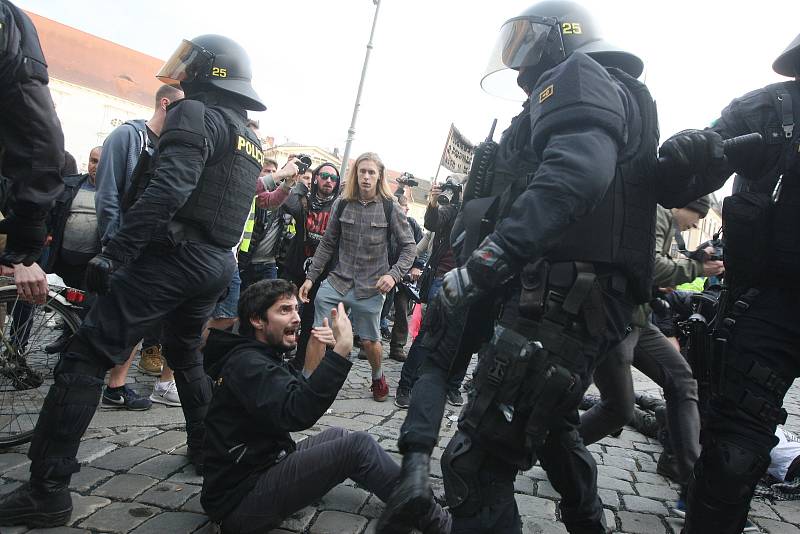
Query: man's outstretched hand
324,334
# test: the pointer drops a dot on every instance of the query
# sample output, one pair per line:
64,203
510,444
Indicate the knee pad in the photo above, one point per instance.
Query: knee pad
461,463
730,470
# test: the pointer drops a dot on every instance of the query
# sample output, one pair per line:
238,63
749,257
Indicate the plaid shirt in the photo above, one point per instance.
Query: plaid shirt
360,238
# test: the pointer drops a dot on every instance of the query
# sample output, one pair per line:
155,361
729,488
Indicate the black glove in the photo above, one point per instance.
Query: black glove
26,237
693,152
99,271
458,291
488,267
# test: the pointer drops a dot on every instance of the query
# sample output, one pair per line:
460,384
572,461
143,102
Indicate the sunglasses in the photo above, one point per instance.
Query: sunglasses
328,176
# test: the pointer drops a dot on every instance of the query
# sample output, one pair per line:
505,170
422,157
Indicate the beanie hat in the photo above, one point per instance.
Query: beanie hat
701,205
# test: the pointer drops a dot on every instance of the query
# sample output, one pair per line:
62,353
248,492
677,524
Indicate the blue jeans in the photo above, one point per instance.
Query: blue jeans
256,272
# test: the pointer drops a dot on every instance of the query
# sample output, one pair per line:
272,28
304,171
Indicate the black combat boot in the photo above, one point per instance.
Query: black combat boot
38,503
195,436
410,500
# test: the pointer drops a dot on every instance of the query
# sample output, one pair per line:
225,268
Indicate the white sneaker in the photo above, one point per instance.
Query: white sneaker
166,393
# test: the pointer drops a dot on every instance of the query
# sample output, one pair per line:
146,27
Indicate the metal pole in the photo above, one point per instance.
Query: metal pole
351,132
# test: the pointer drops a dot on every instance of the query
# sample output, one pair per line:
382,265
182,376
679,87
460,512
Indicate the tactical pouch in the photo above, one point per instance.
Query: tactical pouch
747,219
785,243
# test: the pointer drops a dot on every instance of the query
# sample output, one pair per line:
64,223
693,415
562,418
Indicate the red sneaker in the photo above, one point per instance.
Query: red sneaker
380,389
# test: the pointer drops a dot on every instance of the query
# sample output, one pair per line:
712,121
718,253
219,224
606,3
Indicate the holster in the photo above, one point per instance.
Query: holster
526,373
747,220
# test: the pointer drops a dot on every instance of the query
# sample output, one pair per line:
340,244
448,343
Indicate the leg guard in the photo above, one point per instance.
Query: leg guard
66,413
479,489
721,487
194,388
573,473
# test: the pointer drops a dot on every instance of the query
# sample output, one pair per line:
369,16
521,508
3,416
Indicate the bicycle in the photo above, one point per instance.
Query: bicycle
26,368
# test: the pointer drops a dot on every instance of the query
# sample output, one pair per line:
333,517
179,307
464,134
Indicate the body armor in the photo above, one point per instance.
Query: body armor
220,203
620,231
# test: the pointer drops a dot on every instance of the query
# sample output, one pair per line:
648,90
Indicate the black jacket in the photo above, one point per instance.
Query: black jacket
258,400
57,218
311,217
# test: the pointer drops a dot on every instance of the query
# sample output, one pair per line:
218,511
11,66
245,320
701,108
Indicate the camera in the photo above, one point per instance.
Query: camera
450,189
303,163
700,253
405,179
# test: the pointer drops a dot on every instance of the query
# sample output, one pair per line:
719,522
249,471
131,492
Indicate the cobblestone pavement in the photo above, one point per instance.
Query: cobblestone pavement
135,477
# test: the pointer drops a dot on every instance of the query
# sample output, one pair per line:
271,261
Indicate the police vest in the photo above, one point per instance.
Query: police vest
620,231
219,205
762,218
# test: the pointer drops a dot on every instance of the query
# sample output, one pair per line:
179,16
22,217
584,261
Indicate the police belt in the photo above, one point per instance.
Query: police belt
565,291
179,232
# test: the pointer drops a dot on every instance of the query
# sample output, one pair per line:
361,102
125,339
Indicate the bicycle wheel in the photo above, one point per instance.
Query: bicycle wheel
26,370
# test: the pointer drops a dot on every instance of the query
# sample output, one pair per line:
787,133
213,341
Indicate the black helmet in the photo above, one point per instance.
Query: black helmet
546,34
788,63
217,61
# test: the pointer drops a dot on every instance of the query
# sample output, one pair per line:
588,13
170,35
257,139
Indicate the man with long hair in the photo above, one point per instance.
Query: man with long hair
356,244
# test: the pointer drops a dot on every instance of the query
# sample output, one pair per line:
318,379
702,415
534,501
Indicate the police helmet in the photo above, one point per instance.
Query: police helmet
788,63
215,60
546,34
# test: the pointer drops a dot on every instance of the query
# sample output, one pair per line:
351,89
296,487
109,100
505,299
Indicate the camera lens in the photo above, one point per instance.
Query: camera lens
445,197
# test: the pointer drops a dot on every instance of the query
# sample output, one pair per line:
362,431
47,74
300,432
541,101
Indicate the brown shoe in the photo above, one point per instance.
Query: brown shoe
397,354
150,361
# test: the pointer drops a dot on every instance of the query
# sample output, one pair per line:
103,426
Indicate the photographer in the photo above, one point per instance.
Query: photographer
439,218
671,272
398,298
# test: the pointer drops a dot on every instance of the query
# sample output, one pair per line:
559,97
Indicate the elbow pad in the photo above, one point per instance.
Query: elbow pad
185,125
578,93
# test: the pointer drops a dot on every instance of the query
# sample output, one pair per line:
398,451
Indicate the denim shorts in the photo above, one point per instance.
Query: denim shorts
227,308
364,313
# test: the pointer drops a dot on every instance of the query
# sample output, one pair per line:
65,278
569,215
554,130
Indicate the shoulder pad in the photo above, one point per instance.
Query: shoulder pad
185,124
578,92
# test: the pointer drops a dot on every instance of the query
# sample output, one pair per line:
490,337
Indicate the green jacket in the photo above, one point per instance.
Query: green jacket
667,272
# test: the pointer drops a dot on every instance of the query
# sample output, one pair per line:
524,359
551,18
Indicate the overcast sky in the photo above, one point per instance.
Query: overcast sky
429,56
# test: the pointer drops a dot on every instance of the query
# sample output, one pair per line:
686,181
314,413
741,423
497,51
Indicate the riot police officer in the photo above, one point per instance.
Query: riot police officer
169,261
757,347
563,244
31,147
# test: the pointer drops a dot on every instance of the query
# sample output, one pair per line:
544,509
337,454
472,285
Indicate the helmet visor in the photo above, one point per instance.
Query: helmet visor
187,64
521,43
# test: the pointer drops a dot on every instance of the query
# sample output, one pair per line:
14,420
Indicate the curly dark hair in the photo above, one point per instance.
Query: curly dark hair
258,298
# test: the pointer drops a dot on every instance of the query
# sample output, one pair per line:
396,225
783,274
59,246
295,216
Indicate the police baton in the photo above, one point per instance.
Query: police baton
735,146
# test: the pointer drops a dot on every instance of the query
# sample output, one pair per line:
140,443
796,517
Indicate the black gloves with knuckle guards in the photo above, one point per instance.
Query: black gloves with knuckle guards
488,267
693,152
99,271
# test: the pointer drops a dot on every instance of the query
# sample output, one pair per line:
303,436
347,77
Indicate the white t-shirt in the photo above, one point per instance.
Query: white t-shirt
784,453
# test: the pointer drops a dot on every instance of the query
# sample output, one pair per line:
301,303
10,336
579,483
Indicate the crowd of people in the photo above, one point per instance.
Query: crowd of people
243,285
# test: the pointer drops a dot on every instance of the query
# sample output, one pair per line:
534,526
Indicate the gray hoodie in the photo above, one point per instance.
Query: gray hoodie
121,151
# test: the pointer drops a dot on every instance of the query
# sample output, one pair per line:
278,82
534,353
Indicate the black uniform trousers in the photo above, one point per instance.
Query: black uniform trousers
30,133
761,361
178,286
570,467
